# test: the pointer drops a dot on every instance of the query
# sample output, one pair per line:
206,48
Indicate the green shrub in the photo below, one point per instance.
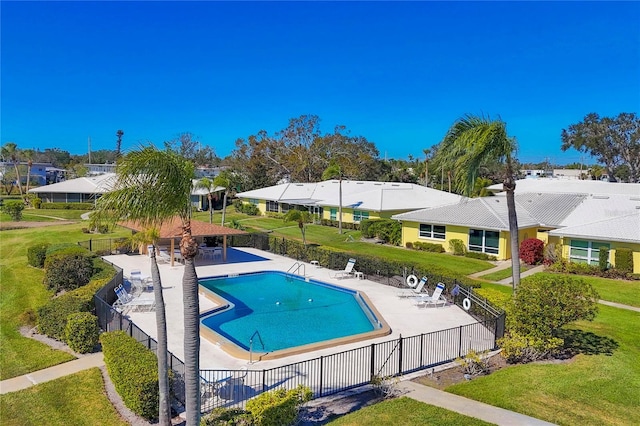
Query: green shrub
14,209
250,209
67,271
36,255
134,371
68,206
82,332
226,417
68,248
517,348
457,247
624,259
367,227
409,245
279,407
481,256
34,200
603,259
430,247
52,317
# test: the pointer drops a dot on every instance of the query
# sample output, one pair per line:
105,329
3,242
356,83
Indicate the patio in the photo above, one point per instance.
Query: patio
404,318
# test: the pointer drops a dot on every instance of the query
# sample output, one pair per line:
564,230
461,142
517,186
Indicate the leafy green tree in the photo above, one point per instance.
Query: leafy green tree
11,152
612,141
14,209
544,304
152,187
471,142
302,217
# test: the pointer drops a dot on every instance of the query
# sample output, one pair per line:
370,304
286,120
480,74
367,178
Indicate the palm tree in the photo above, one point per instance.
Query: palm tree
119,134
224,179
302,217
427,152
332,172
210,185
153,186
10,150
28,155
471,142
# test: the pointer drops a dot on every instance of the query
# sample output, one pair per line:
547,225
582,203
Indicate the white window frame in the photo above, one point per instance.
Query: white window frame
270,206
360,215
484,249
593,253
431,233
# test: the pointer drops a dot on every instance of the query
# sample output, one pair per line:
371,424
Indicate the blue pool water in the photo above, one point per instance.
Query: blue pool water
286,310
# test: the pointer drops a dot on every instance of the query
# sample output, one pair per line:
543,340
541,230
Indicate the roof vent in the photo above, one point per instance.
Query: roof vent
600,197
635,198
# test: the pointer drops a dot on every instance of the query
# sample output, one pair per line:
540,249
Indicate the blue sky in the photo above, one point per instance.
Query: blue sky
397,73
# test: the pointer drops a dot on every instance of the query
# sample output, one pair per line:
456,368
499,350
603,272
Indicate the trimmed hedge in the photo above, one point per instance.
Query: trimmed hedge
82,332
279,407
67,206
36,255
134,371
603,259
387,230
52,317
624,259
430,247
457,247
481,256
67,271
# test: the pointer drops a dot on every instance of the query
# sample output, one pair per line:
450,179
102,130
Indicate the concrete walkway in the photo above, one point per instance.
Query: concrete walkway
468,407
51,373
535,269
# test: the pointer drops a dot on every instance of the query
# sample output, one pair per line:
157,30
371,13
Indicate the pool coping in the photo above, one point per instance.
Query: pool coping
236,351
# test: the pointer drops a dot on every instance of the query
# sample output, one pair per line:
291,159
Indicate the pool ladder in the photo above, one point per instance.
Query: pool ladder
295,269
256,333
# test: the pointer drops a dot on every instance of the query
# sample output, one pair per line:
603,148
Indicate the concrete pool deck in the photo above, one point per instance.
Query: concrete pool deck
404,318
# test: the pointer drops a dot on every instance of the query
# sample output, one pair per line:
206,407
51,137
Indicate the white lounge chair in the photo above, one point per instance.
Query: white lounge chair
435,299
413,291
126,301
348,270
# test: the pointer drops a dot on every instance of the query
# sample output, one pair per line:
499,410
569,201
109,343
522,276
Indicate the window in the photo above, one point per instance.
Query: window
285,207
581,251
359,216
484,241
254,201
432,231
333,214
272,206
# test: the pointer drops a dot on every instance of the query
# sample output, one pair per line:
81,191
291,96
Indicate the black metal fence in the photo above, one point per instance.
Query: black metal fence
335,373
327,375
112,320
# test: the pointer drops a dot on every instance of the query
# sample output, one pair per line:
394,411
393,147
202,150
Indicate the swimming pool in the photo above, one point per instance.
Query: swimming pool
285,314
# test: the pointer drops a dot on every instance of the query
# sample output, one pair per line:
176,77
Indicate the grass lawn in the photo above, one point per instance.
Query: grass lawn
503,273
588,390
21,291
405,411
620,291
439,263
45,215
78,399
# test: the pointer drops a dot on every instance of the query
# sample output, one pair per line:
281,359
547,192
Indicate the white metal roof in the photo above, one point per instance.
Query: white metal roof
85,185
365,195
624,228
551,185
484,213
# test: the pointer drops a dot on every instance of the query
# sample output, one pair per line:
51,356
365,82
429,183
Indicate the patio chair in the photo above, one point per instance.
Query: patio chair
435,299
348,270
126,302
412,291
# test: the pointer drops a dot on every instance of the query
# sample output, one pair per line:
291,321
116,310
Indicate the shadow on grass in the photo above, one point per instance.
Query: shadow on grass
586,342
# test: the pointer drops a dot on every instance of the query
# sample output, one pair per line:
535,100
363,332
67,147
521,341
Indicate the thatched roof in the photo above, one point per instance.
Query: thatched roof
173,229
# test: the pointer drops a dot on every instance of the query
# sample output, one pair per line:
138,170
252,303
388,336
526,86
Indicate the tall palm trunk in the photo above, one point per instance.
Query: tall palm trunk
190,299
164,415
224,206
509,185
29,165
18,180
210,198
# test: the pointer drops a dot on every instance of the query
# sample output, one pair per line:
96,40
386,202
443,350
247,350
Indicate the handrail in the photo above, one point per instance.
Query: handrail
255,333
296,270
